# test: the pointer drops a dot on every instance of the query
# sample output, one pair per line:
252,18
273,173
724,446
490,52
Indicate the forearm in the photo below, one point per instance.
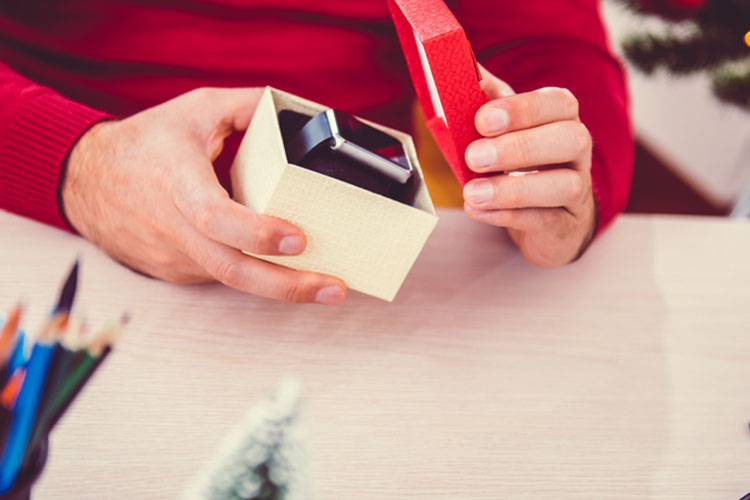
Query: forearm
38,127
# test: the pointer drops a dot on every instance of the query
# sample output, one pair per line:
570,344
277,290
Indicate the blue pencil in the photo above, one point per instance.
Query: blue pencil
23,415
18,356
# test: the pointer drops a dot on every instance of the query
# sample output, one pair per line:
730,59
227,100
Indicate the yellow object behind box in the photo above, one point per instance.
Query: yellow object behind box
444,189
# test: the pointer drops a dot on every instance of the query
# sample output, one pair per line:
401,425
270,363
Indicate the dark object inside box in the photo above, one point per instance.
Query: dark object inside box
328,162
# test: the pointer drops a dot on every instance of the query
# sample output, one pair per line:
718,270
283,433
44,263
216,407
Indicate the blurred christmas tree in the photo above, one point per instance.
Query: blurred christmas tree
701,35
264,457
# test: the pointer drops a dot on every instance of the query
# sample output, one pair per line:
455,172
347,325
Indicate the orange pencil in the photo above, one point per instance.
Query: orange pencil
12,388
8,334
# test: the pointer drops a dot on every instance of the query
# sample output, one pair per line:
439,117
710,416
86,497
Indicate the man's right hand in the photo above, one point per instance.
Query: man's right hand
144,190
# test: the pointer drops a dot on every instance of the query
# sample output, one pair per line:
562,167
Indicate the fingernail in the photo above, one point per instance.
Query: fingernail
478,191
495,120
331,295
291,245
481,154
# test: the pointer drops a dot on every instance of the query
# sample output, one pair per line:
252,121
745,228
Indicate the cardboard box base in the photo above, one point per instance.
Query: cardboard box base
367,240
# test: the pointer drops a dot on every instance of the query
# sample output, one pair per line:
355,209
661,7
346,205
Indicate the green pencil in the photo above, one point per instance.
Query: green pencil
73,384
81,369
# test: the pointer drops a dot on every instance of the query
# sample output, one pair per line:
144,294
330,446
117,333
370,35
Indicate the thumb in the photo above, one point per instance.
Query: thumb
233,108
231,111
493,86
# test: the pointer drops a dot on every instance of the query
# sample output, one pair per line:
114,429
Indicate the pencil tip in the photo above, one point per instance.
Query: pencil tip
16,312
68,293
125,318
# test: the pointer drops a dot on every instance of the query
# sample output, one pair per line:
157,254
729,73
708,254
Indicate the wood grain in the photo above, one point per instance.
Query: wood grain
623,376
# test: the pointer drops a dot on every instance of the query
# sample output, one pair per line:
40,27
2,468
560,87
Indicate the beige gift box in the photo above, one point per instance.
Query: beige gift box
367,240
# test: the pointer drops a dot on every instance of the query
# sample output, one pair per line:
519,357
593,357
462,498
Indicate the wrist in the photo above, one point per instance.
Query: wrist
85,153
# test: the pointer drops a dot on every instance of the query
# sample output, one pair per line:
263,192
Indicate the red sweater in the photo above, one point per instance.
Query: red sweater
66,65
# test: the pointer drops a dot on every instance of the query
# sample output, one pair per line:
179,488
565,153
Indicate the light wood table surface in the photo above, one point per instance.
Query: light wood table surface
623,376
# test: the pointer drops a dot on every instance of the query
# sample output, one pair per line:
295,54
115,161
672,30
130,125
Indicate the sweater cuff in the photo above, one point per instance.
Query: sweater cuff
43,131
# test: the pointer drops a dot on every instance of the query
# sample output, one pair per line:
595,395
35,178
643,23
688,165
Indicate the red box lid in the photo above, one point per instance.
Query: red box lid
444,73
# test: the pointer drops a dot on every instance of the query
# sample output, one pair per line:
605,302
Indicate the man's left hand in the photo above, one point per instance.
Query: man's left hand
541,152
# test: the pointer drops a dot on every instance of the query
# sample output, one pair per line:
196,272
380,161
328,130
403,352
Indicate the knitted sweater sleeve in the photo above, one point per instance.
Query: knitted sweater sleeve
536,43
38,127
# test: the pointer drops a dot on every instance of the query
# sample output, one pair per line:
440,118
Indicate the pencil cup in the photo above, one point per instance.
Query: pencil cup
26,478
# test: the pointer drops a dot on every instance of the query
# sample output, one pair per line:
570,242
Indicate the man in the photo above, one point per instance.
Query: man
107,127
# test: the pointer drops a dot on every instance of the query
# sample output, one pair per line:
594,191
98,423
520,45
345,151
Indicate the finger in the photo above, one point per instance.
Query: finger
558,142
208,208
522,219
493,86
188,273
251,275
522,111
157,260
560,187
233,108
224,111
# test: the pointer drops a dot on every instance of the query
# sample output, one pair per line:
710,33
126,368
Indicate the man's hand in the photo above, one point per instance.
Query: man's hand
550,214
144,190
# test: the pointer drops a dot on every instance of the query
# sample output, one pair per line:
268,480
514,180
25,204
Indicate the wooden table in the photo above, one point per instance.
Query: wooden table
625,375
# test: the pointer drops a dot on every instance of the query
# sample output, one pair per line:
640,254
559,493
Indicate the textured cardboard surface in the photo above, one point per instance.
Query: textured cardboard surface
454,72
367,240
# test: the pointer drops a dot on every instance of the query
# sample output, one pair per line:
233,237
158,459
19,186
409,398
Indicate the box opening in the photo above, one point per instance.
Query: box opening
326,162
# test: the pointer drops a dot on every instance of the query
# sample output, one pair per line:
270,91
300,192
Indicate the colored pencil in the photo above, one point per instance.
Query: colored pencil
7,337
25,410
81,370
12,388
40,382
18,356
8,334
7,402
23,414
68,292
58,368
74,383
6,415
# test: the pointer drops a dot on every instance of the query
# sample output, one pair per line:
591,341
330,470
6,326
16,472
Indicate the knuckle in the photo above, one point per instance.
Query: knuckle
205,216
521,149
165,260
228,272
294,291
262,239
523,108
569,101
588,140
582,138
515,193
194,95
576,189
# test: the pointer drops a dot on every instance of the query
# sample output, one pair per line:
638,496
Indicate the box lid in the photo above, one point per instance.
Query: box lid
444,72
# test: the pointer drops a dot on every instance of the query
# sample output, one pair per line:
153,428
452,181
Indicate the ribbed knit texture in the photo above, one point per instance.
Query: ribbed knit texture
43,131
123,56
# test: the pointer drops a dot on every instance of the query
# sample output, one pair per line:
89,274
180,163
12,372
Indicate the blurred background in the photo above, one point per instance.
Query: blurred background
692,120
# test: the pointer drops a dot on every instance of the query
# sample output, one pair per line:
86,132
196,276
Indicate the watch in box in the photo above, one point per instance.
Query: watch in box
341,146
